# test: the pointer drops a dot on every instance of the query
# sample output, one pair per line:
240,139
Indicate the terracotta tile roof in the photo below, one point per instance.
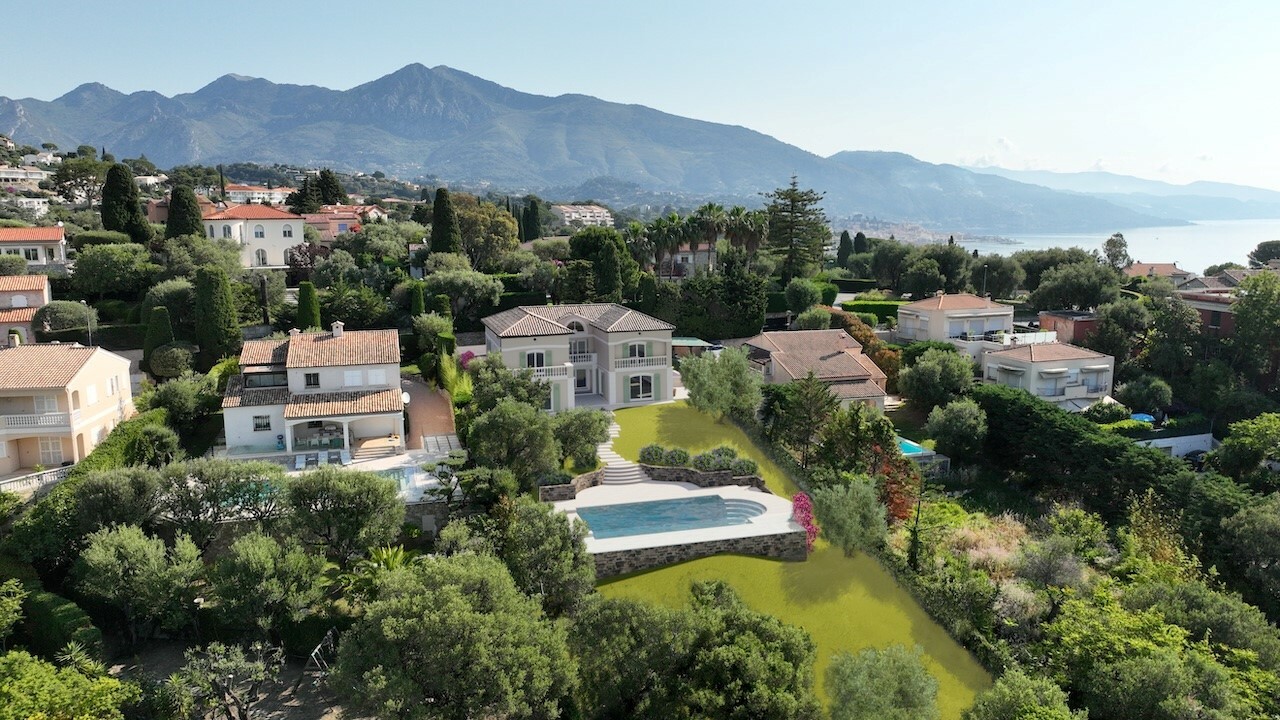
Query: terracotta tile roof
316,405
237,395
829,354
17,315
533,320
44,365
353,347
1046,352
231,187
31,234
252,212
23,283
955,301
263,352
856,389
1158,269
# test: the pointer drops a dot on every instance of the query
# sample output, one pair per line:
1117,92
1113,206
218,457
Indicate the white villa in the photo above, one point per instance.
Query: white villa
595,354
39,246
1071,377
257,194
265,233
975,325
317,391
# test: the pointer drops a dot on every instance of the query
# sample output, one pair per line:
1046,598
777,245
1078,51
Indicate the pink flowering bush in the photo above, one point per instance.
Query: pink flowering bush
466,359
802,513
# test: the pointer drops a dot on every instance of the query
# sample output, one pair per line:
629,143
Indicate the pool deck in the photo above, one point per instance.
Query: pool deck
775,520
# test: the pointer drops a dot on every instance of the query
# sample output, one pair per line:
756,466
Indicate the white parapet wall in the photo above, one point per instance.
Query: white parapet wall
1181,445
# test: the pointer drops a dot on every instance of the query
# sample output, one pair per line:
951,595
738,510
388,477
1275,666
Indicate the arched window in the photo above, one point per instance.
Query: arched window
288,231
258,232
226,231
576,326
261,257
211,231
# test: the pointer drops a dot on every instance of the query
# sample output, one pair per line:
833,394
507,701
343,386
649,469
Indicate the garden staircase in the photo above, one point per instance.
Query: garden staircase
617,470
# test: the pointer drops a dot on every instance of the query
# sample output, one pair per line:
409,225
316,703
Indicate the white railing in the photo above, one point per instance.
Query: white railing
551,372
582,358
36,481
41,420
630,363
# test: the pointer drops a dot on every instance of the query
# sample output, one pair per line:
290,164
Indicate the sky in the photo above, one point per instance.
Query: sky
1164,89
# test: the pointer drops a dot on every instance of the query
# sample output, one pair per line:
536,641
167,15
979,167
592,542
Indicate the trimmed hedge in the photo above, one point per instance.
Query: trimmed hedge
775,302
721,458
882,309
86,238
854,285
829,293
113,452
51,621
110,337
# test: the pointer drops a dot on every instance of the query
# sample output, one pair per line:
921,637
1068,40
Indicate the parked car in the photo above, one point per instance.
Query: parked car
1195,459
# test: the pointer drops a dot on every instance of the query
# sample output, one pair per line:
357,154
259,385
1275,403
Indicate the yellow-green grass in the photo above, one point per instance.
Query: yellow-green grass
845,604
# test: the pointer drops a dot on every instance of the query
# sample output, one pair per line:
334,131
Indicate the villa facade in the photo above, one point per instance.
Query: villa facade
316,391
599,354
264,233
975,325
57,402
1071,377
39,246
20,297
833,356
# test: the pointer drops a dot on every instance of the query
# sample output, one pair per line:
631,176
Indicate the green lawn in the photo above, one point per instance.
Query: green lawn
844,603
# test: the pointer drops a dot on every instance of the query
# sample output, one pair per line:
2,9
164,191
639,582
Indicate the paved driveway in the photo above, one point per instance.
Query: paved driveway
429,412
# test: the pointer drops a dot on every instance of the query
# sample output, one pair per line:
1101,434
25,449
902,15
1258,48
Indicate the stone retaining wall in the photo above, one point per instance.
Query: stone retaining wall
570,490
783,546
704,479
430,516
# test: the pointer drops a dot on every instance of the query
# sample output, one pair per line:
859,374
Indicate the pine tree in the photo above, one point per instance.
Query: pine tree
421,214
305,199
184,213
308,306
159,332
845,250
445,235
417,300
218,329
797,229
331,192
122,206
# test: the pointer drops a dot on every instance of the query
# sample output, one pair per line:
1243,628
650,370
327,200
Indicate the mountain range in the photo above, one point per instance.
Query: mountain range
447,124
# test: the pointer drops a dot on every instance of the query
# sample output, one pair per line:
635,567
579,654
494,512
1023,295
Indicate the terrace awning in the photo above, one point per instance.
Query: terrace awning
1095,368
1053,371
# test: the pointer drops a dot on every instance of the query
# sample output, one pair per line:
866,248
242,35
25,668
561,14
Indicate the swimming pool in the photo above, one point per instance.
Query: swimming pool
910,448
659,516
402,475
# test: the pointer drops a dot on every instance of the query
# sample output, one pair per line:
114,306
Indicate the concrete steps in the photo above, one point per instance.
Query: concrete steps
366,454
617,469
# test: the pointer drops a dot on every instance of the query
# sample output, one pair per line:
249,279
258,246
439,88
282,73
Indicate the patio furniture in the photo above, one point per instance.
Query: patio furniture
345,457
334,457
299,461
313,459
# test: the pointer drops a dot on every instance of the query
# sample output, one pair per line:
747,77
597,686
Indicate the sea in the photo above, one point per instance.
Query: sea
1193,247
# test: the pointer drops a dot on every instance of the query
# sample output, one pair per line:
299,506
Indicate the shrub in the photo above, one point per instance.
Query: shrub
705,462
1103,413
173,359
868,319
52,621
1128,427
743,466
89,238
815,318
63,315
882,309
829,292
116,451
113,311
802,294
802,513
455,382
676,457
653,455
960,429
553,477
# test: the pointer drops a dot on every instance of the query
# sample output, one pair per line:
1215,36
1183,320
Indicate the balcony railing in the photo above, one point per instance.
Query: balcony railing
40,420
580,359
554,371
631,363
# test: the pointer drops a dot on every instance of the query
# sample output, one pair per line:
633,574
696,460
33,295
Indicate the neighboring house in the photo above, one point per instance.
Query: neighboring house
40,246
44,157
1217,318
316,391
26,176
158,210
1071,377
257,194
57,402
973,324
583,215
39,206
833,356
686,260
20,297
265,233
1168,270
146,181
1071,326
331,225
591,354
368,213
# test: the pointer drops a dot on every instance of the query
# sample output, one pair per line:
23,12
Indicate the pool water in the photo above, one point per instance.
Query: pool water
402,475
910,448
659,516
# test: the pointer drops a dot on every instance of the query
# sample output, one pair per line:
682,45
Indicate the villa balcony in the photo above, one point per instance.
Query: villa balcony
582,360
634,363
554,371
38,423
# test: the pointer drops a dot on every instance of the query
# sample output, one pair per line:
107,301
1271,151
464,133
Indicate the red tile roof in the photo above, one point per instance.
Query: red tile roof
829,354
1154,269
17,315
31,234
329,404
23,283
955,301
533,320
252,212
1046,352
322,349
39,366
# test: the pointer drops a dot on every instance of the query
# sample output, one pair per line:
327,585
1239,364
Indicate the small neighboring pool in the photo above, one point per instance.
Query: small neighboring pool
911,448
402,475
659,516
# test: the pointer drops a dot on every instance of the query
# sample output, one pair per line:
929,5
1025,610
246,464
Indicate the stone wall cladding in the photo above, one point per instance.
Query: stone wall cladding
784,546
570,490
707,479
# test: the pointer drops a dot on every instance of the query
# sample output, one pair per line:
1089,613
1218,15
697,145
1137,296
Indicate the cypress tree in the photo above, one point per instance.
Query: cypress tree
860,243
442,306
533,221
445,235
122,205
159,332
844,250
417,300
218,329
184,213
305,199
308,306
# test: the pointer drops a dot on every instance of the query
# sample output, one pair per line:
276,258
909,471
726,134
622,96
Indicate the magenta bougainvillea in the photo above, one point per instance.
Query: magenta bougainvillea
802,513
466,359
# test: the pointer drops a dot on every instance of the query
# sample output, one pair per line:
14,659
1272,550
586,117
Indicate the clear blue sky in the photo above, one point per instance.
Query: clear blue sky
1165,89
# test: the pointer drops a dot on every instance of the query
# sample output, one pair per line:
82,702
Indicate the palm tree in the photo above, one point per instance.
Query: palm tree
747,228
636,236
710,222
666,234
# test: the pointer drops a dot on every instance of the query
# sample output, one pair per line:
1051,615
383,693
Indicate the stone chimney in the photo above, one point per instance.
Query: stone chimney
337,328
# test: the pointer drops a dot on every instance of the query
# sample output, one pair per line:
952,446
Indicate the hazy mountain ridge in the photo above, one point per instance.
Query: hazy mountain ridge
458,127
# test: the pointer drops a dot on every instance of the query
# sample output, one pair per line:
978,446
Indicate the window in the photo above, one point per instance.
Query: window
377,377
211,232
266,379
259,232
535,359
50,451
260,257
641,387
580,380
226,231
19,301
312,380
12,251
636,350
91,395
1215,319
578,347
575,326
288,231
4,448
351,378
46,403
113,384
261,422
32,254
342,227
